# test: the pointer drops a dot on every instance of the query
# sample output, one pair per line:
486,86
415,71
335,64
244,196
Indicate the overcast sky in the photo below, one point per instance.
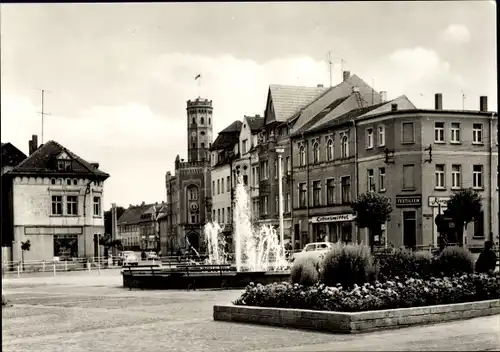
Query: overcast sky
119,75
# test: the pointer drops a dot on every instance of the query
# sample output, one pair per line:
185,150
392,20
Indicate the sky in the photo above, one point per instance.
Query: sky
117,76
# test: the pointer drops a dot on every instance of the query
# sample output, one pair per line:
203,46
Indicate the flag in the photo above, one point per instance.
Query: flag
198,76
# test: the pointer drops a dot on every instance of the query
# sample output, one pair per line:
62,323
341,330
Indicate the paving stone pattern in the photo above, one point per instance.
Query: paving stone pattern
94,313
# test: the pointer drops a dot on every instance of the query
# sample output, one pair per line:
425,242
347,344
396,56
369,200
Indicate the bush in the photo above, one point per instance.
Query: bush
409,292
454,261
423,263
348,265
399,262
305,271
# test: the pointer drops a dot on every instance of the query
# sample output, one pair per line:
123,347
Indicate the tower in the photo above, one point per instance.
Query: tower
199,128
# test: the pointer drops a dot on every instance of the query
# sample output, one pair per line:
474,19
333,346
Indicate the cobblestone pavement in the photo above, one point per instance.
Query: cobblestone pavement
79,312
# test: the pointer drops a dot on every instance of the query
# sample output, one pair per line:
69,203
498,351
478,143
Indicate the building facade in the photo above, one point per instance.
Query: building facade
189,201
56,202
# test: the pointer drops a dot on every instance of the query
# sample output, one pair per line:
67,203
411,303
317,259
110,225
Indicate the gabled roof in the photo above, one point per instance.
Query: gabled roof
287,100
11,156
228,137
44,161
232,128
132,214
255,123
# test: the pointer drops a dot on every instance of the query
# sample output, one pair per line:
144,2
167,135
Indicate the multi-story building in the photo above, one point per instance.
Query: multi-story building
415,157
225,153
189,200
248,163
128,226
149,227
56,200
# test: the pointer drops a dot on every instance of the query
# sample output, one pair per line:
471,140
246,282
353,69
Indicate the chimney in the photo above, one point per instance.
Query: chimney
320,86
438,101
94,165
383,96
346,75
33,144
394,107
143,203
483,103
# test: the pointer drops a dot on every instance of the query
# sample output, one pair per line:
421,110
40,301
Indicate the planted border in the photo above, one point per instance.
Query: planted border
357,322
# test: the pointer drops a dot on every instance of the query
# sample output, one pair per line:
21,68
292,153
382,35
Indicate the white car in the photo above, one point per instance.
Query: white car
129,258
318,249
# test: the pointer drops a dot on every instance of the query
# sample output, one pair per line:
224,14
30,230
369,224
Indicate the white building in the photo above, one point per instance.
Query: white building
56,200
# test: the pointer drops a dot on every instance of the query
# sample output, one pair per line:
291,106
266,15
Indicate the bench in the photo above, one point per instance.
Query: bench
141,269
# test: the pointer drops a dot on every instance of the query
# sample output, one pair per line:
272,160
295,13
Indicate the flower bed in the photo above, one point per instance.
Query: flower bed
391,294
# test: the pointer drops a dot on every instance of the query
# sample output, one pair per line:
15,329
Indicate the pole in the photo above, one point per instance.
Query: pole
280,192
42,113
113,227
98,256
330,67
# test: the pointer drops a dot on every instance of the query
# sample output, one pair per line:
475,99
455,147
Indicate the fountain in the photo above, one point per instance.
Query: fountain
256,249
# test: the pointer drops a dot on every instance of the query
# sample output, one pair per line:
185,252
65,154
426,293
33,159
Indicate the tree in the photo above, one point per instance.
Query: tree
108,222
464,206
25,246
107,242
372,211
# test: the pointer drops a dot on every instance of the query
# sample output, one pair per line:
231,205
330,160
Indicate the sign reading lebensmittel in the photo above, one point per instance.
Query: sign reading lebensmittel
332,218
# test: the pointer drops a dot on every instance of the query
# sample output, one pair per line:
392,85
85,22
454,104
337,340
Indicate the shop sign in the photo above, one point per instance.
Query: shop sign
332,218
436,201
409,201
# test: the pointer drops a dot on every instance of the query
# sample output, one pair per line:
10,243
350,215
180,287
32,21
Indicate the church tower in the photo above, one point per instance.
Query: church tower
199,127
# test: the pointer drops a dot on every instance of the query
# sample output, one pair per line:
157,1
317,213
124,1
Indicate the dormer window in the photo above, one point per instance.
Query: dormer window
64,165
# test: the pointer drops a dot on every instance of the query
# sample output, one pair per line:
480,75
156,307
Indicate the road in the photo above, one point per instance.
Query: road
78,312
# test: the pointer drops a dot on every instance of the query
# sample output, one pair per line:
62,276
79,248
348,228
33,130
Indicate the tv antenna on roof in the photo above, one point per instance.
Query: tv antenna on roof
43,113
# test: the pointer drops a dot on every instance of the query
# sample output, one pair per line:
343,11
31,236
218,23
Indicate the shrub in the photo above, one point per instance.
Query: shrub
305,271
348,265
399,262
423,263
454,261
393,294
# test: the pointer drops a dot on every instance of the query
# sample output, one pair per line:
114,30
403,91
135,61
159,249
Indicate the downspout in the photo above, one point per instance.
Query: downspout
356,173
490,154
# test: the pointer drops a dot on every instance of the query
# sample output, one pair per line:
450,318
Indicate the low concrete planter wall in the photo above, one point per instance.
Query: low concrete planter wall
341,322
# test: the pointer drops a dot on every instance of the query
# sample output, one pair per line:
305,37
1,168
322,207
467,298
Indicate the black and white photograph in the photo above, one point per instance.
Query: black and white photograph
250,176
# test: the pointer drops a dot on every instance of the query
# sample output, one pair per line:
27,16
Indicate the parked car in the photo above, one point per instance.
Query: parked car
129,258
151,256
318,249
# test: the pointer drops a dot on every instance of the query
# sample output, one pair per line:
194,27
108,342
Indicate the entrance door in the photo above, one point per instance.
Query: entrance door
410,229
296,237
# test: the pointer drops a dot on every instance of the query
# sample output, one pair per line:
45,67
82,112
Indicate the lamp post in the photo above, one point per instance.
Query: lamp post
279,151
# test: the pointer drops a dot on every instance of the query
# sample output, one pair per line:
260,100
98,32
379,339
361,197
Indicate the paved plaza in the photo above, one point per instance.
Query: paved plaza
78,312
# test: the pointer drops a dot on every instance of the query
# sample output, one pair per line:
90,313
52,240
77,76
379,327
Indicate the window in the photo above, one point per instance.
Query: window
408,133
316,193
214,219
346,189
97,206
75,182
381,179
222,185
477,133
245,180
264,205
202,121
439,174
369,138
244,146
371,180
344,147
72,205
254,180
381,136
228,184
219,219
479,225
316,153
455,176
287,204
408,176
64,165
455,132
223,219
56,205
439,132
213,188
192,192
228,215
329,150
264,170
330,191
276,203
68,182
193,121
209,120
194,145
302,195
302,156
218,186
202,145
53,181
477,176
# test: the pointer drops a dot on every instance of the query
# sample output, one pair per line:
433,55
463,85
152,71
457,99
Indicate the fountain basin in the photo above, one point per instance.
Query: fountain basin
167,279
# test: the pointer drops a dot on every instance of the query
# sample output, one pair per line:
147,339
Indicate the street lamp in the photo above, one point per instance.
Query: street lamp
280,151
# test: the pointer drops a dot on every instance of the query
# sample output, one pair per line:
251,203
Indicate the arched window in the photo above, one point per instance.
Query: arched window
345,147
302,156
194,120
202,133
209,120
329,150
316,153
202,120
192,192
